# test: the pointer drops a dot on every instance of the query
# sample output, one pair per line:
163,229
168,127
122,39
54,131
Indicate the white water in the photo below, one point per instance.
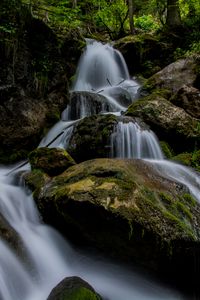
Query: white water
129,140
48,257
100,66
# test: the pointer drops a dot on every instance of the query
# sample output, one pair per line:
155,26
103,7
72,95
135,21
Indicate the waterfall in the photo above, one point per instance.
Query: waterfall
130,141
48,257
100,66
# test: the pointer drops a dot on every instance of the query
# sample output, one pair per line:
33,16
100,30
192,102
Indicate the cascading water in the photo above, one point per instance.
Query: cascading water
130,141
48,257
100,66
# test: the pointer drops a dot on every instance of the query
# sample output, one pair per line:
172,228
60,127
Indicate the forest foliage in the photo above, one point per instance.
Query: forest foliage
112,17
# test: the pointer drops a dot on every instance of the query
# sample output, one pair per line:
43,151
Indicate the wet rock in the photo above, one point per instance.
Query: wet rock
73,288
50,160
84,103
91,137
171,123
127,209
174,76
8,234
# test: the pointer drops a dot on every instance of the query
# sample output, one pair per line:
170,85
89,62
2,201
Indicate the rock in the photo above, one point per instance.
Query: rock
9,235
73,288
84,103
128,210
50,160
169,122
22,120
188,98
174,76
91,137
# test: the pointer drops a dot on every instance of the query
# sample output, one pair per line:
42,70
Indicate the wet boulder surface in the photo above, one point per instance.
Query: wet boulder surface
127,210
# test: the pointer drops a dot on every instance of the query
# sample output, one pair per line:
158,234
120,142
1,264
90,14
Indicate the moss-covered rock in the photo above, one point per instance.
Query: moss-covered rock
73,288
91,137
126,209
169,122
52,161
174,76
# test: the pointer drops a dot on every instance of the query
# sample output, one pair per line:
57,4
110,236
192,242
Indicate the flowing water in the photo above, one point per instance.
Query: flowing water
47,258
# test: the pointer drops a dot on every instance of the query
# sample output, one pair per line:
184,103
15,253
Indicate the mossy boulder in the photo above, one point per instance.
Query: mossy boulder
52,161
91,137
73,288
126,209
174,76
171,123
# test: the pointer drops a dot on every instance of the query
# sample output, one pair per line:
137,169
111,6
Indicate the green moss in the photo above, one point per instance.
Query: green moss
142,103
189,199
184,210
184,158
165,198
191,159
80,294
166,149
180,226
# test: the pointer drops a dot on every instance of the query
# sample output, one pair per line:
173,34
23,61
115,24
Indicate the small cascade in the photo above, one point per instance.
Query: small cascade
179,173
102,69
100,66
59,135
131,141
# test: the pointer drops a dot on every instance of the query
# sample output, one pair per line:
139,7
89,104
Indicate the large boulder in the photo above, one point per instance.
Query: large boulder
174,76
127,209
169,122
73,288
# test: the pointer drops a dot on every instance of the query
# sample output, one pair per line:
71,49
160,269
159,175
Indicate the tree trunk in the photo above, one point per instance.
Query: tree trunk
130,10
173,13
